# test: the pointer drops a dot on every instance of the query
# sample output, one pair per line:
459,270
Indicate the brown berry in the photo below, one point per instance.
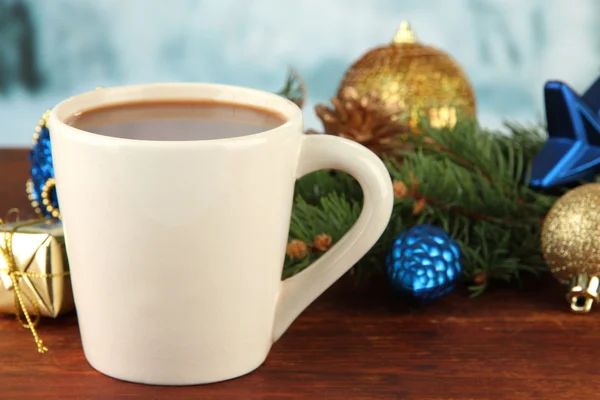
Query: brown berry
297,249
322,242
479,279
400,189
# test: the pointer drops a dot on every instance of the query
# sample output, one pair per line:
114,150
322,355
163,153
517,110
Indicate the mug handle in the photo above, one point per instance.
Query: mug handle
322,151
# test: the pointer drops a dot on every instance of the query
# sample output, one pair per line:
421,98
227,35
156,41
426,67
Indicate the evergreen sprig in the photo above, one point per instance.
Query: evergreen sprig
294,88
467,180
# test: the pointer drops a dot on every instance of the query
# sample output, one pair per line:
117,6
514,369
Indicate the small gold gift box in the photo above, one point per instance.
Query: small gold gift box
40,256
34,272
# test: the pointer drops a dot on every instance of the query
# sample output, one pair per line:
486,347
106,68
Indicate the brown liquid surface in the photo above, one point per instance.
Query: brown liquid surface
177,120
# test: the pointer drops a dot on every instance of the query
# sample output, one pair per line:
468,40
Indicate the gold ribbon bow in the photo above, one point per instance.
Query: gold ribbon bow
14,273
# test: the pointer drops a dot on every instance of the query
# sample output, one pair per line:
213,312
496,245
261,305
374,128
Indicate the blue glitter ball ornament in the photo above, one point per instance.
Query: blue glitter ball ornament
424,263
40,185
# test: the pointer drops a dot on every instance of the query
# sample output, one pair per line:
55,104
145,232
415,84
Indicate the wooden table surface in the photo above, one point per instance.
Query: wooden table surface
352,343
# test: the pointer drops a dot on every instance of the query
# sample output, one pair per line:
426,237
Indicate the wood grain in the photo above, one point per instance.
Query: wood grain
352,343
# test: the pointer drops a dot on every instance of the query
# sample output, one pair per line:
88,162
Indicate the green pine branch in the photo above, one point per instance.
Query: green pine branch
294,88
469,181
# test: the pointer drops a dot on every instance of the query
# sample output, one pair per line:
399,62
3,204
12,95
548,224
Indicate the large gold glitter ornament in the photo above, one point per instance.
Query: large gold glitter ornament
421,80
571,244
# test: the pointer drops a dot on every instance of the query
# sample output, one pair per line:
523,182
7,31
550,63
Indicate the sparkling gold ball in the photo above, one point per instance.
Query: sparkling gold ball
422,81
571,234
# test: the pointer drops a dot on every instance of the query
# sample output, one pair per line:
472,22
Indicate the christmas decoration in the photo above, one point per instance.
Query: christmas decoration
424,263
414,80
570,244
34,273
365,120
40,186
572,152
470,181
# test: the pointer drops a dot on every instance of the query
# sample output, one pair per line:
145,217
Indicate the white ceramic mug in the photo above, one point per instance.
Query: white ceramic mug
176,247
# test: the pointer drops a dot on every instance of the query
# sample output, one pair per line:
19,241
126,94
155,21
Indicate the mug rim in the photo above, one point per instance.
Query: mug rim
107,96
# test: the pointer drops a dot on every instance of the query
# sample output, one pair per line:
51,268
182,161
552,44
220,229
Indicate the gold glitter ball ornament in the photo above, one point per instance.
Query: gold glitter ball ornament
424,82
570,243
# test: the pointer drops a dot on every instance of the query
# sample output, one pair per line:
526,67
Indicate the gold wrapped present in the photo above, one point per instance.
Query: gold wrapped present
34,272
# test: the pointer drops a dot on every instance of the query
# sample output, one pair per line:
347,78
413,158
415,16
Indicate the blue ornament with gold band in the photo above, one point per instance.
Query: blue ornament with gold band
41,184
424,263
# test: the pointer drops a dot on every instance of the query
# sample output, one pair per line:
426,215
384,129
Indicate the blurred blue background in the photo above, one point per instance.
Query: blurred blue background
52,49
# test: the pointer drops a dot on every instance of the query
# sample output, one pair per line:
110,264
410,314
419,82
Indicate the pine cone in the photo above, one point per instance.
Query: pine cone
366,120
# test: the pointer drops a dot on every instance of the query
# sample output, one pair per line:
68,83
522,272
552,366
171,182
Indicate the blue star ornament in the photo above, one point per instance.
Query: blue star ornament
572,152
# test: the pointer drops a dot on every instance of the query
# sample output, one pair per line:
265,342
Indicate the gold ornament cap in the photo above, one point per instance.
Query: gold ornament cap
404,34
584,293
